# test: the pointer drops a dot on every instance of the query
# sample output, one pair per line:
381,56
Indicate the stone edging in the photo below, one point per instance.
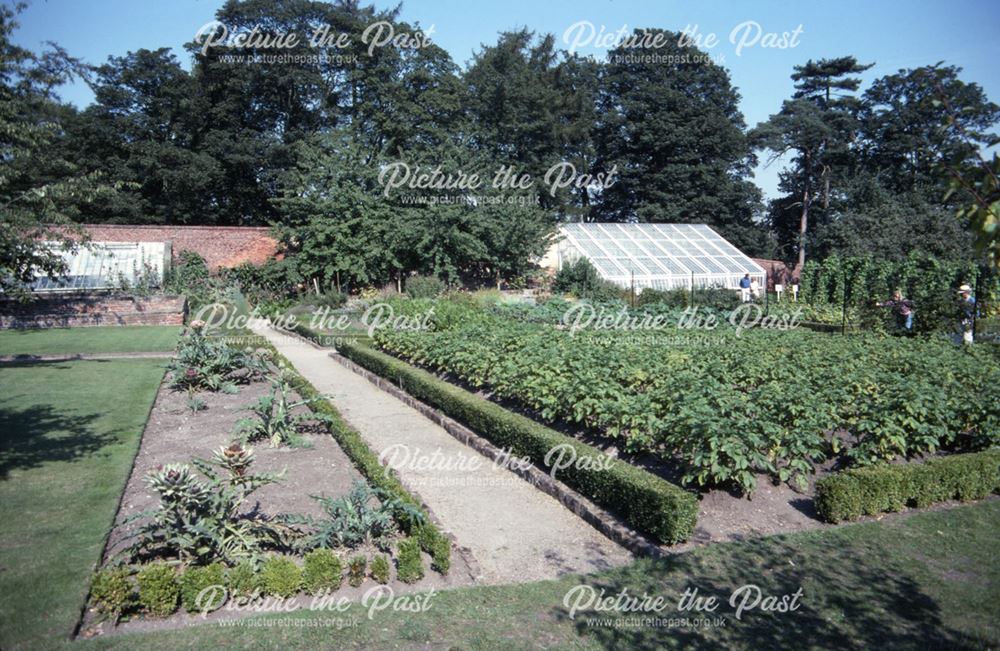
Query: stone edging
585,509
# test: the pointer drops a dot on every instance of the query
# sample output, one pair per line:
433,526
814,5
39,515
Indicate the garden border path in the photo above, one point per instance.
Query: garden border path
515,532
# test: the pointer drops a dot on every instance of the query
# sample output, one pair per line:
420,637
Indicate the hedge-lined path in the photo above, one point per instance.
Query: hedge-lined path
514,531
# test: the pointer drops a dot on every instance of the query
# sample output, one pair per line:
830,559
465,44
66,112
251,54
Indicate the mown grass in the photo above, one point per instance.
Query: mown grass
68,434
927,581
58,341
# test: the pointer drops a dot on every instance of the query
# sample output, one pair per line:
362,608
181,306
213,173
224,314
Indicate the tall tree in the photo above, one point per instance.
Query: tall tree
818,125
40,191
674,136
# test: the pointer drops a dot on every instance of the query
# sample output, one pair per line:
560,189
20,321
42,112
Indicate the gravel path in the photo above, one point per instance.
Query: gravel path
514,531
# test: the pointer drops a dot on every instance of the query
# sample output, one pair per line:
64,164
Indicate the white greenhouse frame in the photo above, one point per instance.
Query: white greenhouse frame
657,256
104,265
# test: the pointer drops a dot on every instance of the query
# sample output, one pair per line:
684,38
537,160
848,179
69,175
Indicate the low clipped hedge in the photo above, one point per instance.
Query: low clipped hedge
852,493
364,459
648,503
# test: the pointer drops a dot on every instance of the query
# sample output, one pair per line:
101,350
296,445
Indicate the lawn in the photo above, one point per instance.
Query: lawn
68,434
58,341
930,580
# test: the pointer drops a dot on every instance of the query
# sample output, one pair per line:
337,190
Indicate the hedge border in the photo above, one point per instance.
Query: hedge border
365,460
849,494
646,502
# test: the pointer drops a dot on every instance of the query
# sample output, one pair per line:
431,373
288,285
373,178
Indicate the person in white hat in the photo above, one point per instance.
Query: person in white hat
967,312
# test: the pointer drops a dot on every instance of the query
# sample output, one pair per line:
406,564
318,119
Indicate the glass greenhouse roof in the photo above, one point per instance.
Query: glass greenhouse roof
661,256
102,265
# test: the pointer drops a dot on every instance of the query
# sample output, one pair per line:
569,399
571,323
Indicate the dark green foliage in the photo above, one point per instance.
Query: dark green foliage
205,520
356,567
112,591
716,298
243,579
321,571
409,564
203,363
280,576
648,503
852,493
273,283
364,515
198,578
581,279
671,298
189,276
158,589
677,137
381,569
722,414
927,281
424,287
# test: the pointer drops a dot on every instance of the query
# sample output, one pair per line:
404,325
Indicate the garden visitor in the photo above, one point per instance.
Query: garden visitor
755,289
745,288
966,312
902,307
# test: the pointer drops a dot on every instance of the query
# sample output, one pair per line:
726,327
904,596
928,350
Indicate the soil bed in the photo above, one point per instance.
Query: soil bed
175,434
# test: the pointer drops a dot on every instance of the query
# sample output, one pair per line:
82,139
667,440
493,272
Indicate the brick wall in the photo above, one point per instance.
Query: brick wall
779,272
79,310
221,246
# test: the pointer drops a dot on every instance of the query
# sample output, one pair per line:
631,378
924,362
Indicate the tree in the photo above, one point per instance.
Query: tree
901,139
39,190
142,130
675,137
532,107
818,125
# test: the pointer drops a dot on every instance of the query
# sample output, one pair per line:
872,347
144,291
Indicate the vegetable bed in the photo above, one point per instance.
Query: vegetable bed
728,404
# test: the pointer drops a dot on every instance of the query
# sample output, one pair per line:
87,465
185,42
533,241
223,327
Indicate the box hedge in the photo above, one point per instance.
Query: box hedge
648,503
871,490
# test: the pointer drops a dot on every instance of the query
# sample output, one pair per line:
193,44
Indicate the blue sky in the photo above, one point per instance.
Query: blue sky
893,35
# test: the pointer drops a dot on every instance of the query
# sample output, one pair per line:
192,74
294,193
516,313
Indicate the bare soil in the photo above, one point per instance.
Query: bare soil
175,434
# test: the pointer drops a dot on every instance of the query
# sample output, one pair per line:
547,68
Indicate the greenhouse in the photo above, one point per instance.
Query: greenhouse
106,265
658,256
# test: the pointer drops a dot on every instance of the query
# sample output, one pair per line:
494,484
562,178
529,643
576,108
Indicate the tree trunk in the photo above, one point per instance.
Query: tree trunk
803,224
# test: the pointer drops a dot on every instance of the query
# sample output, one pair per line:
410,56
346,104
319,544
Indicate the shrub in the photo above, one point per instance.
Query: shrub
321,571
273,419
381,569
648,503
197,578
717,298
111,591
678,298
852,493
331,299
158,589
204,364
436,545
281,576
424,286
243,580
409,564
356,569
204,521
364,515
581,279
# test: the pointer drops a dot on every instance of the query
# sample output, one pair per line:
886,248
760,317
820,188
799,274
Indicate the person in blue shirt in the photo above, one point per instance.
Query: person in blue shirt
745,288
